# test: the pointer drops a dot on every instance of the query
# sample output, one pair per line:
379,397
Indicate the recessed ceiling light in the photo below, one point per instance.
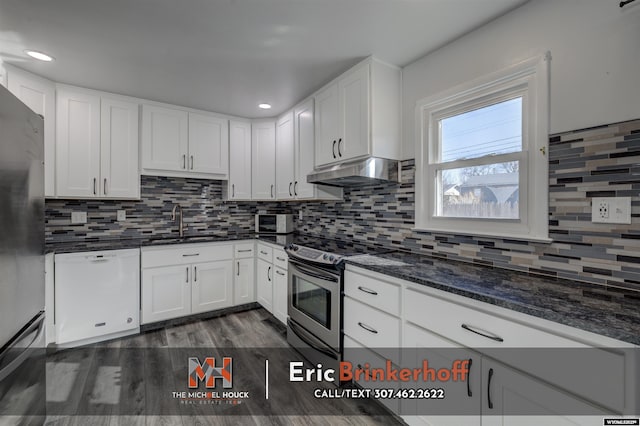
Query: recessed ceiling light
264,106
39,55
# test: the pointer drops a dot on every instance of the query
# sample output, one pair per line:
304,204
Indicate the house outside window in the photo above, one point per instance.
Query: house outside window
481,165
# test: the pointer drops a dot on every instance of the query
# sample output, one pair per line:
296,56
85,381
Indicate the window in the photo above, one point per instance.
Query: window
482,166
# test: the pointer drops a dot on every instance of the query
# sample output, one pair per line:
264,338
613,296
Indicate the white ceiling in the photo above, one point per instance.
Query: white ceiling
227,55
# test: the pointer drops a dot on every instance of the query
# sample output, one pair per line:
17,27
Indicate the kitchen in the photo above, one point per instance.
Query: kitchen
124,170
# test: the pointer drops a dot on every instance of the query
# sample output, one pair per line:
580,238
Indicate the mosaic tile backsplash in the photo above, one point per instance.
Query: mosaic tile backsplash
596,162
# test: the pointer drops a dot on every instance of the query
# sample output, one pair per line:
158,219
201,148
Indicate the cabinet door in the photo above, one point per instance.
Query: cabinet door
164,138
326,122
212,286
39,95
304,149
354,135
513,398
285,159
280,294
77,144
119,175
419,345
263,159
264,284
166,293
208,144
244,286
239,160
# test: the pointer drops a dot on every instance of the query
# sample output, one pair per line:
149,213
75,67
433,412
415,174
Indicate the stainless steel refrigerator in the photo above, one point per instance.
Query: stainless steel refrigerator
22,357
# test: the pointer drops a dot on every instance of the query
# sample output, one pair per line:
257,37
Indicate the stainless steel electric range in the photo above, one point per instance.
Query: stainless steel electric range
315,287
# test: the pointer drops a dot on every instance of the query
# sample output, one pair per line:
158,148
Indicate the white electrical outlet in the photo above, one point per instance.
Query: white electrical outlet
122,215
611,210
78,217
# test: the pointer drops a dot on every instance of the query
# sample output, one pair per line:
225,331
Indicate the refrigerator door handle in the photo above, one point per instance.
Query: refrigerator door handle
26,353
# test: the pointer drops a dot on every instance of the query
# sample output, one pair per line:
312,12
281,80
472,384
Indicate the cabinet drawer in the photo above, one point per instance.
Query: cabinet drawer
280,259
244,250
372,328
379,294
265,253
358,356
186,254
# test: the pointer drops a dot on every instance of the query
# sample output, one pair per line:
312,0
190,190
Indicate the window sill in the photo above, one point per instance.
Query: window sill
520,237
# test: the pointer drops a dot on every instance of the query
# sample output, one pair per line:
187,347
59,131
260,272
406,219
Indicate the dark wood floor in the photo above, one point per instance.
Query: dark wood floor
79,378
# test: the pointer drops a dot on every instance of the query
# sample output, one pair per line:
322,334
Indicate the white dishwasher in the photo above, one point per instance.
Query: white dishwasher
96,295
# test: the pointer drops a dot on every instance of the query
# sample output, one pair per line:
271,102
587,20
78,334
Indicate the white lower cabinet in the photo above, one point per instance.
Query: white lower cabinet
280,294
523,370
199,279
264,284
212,286
166,293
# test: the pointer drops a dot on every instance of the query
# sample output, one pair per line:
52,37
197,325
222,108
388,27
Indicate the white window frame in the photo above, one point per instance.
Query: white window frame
528,79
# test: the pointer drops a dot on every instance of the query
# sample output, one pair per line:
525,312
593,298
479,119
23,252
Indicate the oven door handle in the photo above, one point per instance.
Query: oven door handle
313,343
313,274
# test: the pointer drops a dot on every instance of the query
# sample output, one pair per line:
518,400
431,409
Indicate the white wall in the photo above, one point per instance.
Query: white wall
595,71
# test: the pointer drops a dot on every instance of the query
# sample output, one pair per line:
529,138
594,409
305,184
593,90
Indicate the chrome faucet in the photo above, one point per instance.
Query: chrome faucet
176,207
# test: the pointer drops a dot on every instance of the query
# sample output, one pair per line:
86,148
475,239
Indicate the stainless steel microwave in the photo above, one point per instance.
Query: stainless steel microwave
274,223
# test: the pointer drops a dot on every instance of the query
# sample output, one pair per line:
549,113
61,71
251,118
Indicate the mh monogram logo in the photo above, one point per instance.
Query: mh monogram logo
208,372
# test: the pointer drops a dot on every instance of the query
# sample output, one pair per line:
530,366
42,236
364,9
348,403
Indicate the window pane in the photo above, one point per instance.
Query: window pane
494,129
490,191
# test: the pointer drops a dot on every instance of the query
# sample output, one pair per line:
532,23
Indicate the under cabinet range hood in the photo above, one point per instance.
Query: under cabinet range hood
369,171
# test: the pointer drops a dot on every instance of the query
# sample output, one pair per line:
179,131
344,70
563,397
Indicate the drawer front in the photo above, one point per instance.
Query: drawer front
186,254
358,356
265,253
280,259
544,355
244,250
372,328
379,294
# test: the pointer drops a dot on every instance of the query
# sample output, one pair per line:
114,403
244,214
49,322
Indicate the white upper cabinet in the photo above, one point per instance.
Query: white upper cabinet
358,115
285,159
239,160
77,144
263,159
119,174
165,139
177,142
208,144
39,94
96,145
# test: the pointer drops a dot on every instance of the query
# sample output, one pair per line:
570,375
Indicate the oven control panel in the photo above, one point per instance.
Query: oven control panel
312,255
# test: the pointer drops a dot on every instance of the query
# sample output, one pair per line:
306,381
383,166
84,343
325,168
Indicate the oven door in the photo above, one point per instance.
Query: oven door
314,302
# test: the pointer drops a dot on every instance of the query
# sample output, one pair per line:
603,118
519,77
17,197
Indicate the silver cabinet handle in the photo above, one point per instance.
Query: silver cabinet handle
192,162
489,401
485,334
290,193
279,273
238,270
105,186
280,259
339,143
195,274
469,393
295,188
187,279
269,273
184,161
100,324
368,328
271,191
191,255
95,189
367,290
333,149
233,190
246,251
263,252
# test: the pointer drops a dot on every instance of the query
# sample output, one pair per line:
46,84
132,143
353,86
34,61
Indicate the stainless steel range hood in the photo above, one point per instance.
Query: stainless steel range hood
365,172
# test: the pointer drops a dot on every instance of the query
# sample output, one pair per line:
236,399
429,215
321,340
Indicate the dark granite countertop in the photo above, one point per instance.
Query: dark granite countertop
92,244
607,311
